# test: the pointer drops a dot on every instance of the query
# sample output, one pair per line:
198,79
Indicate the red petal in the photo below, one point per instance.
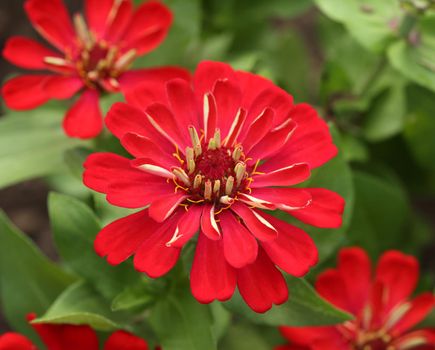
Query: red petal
260,227
259,127
261,284
182,102
84,119
154,257
187,226
332,287
425,335
206,75
121,340
51,19
67,337
97,13
25,92
273,142
62,87
307,335
137,193
419,308
121,238
274,98
26,53
240,246
148,27
287,199
228,98
163,207
398,274
15,341
211,277
208,223
355,269
288,176
102,169
293,250
123,118
310,143
135,77
165,123
143,147
119,19
325,210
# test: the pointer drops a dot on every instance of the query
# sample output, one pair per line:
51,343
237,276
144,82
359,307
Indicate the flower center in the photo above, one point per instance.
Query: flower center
212,172
374,341
95,61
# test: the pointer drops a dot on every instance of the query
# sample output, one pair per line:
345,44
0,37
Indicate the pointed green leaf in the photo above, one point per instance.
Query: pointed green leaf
29,282
303,308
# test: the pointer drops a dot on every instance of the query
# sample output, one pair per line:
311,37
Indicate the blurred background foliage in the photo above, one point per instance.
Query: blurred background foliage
369,68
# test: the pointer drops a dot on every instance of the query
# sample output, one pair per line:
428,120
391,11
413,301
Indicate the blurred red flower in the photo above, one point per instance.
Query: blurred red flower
210,157
70,337
384,313
89,57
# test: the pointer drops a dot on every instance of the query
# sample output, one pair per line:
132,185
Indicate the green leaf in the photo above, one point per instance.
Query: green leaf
75,158
368,21
138,295
74,229
387,113
381,214
335,176
414,58
80,304
304,308
181,323
32,145
420,126
244,337
29,282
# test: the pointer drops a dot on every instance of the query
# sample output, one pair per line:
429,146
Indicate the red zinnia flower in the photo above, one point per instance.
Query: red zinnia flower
70,337
92,58
208,157
384,313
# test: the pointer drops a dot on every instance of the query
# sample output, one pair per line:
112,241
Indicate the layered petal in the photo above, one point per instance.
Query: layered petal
260,227
148,27
187,226
288,176
240,247
121,238
62,87
325,210
154,257
211,277
182,102
310,143
123,118
84,119
415,311
97,14
331,285
355,269
132,79
122,340
398,274
26,53
261,284
165,205
293,250
25,92
51,19
287,199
